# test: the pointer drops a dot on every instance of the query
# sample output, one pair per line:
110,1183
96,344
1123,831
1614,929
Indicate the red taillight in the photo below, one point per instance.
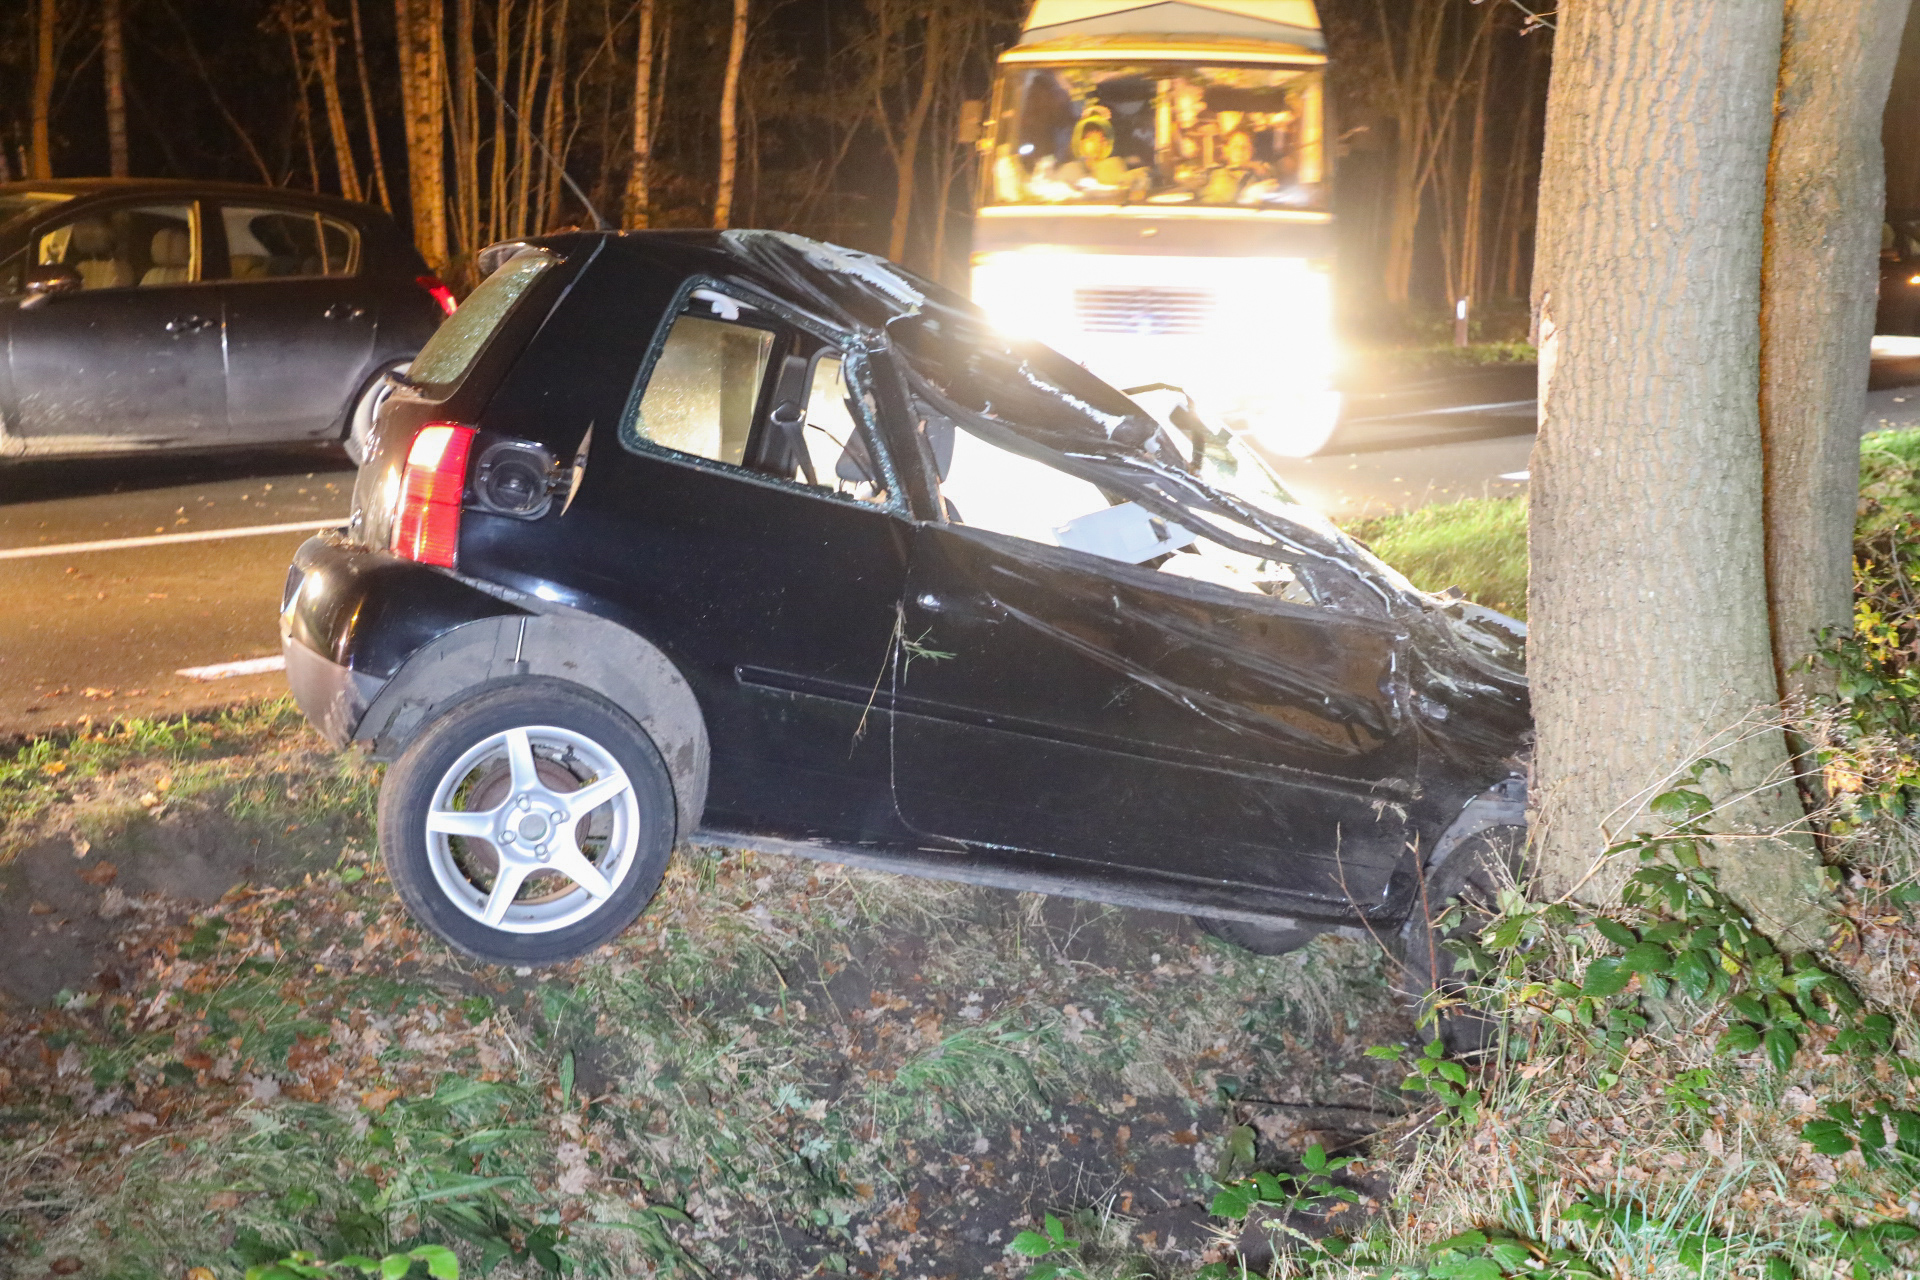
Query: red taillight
441,294
427,525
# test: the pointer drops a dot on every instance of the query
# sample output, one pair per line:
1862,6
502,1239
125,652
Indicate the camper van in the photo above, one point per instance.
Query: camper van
1153,202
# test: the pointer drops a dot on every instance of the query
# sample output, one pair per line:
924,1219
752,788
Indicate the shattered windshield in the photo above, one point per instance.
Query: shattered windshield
1163,133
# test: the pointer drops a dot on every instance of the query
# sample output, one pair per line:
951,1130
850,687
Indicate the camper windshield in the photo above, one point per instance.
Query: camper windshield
1159,133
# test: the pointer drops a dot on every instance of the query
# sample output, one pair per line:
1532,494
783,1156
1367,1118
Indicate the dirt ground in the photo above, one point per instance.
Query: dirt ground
212,1009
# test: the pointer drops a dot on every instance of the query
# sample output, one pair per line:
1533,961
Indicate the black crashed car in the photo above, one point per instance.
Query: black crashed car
743,539
139,315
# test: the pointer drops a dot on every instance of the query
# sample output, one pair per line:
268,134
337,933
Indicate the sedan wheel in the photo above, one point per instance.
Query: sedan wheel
528,825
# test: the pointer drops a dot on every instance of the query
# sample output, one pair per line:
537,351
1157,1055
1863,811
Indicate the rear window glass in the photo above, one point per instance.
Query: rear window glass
450,352
276,243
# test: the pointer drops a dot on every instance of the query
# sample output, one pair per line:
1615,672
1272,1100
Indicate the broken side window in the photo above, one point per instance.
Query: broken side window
734,384
986,485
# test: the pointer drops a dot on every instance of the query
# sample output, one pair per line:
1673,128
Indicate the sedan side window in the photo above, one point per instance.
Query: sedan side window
735,385
270,244
150,246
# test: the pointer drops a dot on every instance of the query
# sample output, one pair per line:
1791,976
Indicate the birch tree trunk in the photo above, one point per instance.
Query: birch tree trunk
1825,193
1650,646
421,25
637,201
40,158
326,63
366,102
113,61
729,116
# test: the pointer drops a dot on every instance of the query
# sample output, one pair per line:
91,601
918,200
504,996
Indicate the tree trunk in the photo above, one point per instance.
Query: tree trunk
327,64
113,61
421,25
466,131
634,207
41,157
1824,200
366,101
729,116
303,108
1472,221
1650,646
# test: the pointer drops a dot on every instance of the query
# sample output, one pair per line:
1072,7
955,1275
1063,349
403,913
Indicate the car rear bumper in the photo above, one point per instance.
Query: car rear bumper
334,698
351,618
331,694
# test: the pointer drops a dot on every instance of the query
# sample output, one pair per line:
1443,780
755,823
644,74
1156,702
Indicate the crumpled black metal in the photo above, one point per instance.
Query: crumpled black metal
1466,674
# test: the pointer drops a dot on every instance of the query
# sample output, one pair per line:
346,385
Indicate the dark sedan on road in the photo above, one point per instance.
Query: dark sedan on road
751,540
141,315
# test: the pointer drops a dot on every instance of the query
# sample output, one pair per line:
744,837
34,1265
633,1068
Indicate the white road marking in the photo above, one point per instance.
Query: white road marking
222,670
165,539
1513,475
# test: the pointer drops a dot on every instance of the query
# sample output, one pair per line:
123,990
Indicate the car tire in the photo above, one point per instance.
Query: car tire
1470,878
1261,939
480,795
358,438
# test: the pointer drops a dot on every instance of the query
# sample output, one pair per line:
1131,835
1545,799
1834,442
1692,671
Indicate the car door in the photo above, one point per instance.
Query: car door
132,356
738,519
300,320
1201,722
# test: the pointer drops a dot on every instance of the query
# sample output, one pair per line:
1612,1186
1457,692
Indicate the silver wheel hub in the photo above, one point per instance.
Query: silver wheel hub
532,829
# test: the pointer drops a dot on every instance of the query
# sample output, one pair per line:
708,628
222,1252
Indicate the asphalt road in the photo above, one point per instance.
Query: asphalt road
95,634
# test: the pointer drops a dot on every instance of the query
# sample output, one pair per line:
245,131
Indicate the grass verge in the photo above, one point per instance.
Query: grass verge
784,1069
1476,544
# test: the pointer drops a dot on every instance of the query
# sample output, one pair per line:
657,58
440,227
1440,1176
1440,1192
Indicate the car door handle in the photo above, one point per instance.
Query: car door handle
344,311
190,324
976,608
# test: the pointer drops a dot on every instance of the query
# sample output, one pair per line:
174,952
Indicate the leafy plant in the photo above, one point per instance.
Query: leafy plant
438,1260
1283,1195
1058,1255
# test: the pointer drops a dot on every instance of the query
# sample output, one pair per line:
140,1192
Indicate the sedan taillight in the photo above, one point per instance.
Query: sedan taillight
441,294
427,525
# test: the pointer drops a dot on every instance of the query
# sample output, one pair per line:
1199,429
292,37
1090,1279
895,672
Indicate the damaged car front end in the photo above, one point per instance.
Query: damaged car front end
746,539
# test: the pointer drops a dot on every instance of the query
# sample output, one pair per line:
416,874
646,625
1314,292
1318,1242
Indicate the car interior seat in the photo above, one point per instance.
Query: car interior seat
93,256
172,258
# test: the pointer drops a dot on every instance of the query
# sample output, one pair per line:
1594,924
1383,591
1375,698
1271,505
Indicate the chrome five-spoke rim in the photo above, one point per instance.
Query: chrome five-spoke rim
533,829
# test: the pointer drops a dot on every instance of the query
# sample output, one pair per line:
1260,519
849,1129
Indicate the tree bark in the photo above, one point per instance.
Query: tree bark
1825,193
636,203
113,61
421,25
326,61
729,116
40,158
1650,647
366,102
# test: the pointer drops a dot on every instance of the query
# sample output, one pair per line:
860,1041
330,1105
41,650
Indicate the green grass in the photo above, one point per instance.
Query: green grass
1480,544
1476,544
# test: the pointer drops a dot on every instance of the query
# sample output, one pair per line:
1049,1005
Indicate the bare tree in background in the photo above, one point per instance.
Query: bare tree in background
40,158
729,116
635,203
907,44
421,28
326,65
366,102
113,60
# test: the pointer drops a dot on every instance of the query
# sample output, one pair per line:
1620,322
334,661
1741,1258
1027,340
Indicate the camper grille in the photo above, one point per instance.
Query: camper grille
1143,311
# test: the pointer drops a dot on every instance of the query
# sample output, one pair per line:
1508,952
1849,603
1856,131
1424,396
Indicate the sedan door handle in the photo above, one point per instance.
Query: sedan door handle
978,609
190,324
344,311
